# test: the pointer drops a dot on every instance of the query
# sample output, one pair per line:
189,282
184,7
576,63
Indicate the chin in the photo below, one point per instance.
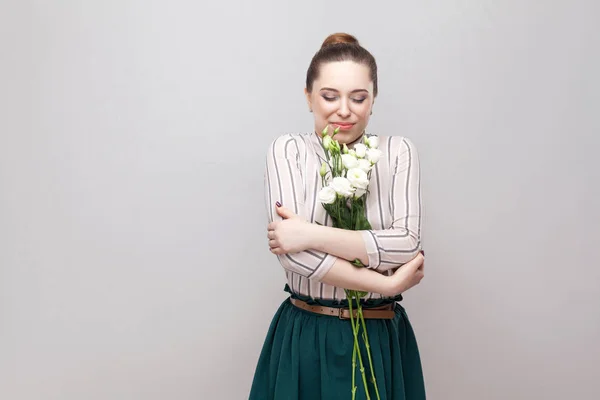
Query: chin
347,136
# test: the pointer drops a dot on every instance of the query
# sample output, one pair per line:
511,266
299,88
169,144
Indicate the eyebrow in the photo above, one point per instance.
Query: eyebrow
354,91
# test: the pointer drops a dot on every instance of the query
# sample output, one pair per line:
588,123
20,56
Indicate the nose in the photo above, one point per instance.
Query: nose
343,110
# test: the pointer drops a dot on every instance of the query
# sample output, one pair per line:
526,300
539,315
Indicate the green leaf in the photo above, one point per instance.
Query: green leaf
357,263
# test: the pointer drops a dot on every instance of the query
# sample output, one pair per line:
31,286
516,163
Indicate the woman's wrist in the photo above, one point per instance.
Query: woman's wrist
389,288
315,236
342,243
344,274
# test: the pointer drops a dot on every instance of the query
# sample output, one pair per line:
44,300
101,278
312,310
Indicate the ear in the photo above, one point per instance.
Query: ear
308,100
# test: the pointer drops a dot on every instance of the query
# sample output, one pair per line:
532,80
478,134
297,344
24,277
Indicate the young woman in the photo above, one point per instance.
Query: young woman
307,354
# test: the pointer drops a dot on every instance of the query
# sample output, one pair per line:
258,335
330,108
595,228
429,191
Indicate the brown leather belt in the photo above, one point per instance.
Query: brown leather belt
381,312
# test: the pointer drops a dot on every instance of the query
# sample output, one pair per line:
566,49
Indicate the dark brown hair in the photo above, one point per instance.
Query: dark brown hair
341,47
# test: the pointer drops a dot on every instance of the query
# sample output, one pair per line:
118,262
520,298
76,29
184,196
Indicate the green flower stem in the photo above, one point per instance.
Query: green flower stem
368,346
355,328
349,213
355,346
353,371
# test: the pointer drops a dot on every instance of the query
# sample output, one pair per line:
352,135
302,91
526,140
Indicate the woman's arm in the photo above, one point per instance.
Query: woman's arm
381,249
341,243
401,242
343,274
284,184
292,234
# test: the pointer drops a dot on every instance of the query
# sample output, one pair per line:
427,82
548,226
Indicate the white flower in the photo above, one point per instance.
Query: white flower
352,152
365,165
374,155
360,149
342,186
349,161
359,192
327,195
372,142
358,178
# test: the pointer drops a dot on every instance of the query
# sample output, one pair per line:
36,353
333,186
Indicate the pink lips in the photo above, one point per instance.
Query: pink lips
343,127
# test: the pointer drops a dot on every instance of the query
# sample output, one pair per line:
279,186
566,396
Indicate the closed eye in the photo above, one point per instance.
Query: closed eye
359,101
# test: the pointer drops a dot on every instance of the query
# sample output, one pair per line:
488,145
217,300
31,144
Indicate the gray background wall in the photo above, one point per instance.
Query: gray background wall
133,258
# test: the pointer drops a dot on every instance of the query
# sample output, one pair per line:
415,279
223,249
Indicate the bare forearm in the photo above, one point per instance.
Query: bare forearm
342,243
343,274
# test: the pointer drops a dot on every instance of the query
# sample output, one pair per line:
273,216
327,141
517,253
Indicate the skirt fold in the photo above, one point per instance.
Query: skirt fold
307,356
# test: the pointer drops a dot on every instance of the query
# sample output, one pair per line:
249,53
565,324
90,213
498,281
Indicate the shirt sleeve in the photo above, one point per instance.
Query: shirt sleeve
284,183
401,242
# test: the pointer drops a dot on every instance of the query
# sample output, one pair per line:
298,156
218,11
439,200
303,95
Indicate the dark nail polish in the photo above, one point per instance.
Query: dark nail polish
423,251
278,204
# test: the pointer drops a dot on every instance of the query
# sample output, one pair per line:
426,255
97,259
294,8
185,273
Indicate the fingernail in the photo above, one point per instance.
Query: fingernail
423,251
278,204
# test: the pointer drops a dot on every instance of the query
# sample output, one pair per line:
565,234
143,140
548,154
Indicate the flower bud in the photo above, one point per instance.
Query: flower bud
323,170
327,142
336,146
324,132
345,149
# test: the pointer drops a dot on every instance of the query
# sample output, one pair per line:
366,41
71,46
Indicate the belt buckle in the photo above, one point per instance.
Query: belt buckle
341,313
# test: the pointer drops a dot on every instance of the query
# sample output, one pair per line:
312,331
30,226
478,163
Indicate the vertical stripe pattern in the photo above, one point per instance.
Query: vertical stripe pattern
393,207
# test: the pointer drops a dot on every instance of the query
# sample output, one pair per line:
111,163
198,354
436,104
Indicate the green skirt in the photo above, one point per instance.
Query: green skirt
307,356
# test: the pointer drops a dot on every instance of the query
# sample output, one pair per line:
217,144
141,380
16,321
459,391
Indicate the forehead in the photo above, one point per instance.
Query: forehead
344,75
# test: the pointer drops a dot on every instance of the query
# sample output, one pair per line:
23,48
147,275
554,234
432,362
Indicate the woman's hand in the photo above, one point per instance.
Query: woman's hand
290,235
407,276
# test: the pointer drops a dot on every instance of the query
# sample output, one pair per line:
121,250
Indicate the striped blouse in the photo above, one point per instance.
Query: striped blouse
393,207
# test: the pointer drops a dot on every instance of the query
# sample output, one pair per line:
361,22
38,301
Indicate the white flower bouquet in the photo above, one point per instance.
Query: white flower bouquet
345,175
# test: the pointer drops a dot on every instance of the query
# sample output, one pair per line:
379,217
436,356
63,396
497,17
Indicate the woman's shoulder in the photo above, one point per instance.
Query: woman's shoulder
288,143
294,136
396,144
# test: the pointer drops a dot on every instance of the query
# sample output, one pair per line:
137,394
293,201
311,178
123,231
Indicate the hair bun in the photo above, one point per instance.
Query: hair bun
340,37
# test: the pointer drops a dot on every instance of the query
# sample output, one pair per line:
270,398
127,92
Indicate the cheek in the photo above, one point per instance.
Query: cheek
325,108
361,110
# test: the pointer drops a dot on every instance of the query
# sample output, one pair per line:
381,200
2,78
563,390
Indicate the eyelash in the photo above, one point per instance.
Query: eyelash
359,101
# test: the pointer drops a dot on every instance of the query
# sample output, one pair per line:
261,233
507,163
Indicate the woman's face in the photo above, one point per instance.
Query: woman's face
342,96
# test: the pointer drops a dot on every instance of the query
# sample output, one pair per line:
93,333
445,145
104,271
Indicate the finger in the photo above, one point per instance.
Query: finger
285,213
276,250
273,244
415,263
272,226
271,234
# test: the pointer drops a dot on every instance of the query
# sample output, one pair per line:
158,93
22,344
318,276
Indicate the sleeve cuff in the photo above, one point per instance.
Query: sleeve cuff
372,249
323,268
